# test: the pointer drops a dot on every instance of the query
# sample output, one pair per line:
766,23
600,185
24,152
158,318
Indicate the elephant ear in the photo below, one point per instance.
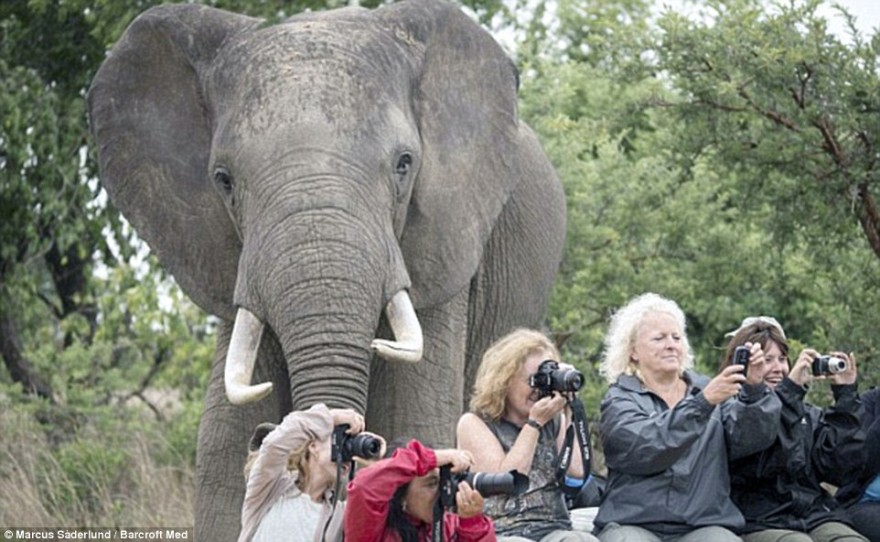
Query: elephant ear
466,107
153,128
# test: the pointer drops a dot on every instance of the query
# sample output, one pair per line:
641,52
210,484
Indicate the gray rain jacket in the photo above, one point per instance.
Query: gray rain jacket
667,467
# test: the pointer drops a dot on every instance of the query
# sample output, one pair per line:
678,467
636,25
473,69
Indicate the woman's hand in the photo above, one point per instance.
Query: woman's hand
346,415
469,501
460,460
546,408
801,372
725,385
757,366
850,374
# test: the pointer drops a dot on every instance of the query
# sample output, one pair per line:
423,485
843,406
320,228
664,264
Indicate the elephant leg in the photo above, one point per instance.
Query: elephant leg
423,400
224,431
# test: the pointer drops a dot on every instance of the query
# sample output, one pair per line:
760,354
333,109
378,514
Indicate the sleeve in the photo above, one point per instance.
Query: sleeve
370,493
751,421
297,428
643,443
474,529
787,452
871,426
838,440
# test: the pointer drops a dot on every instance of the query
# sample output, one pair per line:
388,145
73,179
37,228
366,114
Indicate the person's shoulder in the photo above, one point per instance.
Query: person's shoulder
470,421
871,400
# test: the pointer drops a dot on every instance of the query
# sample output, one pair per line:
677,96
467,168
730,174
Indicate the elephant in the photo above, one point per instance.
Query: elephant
350,192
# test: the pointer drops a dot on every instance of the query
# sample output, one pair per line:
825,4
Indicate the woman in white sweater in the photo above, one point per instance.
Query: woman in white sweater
291,478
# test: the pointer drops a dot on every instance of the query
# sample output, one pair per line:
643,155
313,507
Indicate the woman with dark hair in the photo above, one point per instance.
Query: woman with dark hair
393,499
779,489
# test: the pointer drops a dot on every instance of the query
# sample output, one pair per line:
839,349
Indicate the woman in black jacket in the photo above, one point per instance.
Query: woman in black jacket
863,497
778,489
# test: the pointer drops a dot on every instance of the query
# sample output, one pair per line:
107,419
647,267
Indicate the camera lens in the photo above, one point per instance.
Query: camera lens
567,380
365,446
500,483
825,365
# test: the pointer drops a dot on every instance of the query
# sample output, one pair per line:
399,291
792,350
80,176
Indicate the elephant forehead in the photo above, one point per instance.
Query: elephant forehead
325,62
333,91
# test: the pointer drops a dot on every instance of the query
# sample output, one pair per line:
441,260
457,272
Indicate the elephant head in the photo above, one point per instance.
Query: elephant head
322,180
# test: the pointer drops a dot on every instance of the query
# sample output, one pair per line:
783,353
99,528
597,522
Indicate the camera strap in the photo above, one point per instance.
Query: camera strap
577,427
439,508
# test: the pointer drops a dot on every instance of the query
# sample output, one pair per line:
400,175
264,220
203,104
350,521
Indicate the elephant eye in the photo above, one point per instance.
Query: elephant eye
404,163
223,180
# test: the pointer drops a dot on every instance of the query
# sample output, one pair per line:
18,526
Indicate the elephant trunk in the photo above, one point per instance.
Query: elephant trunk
324,307
248,331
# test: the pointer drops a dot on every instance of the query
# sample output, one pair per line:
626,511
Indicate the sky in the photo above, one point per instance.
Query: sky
866,12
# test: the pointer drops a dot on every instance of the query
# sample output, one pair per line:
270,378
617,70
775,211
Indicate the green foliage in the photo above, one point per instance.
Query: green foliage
723,211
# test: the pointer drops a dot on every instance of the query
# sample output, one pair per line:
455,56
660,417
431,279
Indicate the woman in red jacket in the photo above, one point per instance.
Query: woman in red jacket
393,499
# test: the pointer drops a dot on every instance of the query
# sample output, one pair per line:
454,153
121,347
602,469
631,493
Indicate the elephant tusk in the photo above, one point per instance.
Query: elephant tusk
407,331
241,358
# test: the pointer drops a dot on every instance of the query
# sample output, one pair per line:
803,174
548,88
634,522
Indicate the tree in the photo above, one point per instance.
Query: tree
662,198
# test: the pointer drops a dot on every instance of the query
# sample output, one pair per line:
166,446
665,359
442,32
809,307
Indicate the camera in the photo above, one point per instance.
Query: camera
826,365
550,378
741,356
486,483
344,447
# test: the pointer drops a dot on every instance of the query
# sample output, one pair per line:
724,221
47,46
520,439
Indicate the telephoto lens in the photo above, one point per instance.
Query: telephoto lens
498,483
827,365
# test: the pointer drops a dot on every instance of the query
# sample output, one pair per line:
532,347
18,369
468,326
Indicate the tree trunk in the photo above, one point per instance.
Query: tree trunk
19,367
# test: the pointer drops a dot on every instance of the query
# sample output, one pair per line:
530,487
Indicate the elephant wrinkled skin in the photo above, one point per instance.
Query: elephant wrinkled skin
346,182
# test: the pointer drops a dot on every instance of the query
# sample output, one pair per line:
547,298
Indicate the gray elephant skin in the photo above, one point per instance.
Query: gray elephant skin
341,184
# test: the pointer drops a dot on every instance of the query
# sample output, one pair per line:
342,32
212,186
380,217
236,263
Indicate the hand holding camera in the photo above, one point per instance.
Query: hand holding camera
458,460
346,446
838,366
459,487
751,358
347,416
468,501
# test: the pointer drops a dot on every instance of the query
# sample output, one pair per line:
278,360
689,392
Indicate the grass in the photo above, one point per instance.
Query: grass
111,473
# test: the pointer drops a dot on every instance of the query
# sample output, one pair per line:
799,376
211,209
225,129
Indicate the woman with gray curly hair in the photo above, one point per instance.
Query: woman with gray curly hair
667,432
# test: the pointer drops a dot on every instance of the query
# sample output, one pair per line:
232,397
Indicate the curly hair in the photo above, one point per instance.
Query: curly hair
500,363
624,327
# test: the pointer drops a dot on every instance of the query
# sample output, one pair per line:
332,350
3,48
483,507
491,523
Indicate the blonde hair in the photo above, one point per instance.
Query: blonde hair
297,461
500,364
624,327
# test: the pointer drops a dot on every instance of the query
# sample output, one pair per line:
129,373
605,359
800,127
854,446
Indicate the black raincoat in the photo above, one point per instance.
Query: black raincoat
779,488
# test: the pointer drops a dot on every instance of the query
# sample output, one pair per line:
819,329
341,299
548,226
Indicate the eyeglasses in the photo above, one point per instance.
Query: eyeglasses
752,320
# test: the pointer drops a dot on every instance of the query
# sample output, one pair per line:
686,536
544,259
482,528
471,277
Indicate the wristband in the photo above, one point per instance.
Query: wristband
534,423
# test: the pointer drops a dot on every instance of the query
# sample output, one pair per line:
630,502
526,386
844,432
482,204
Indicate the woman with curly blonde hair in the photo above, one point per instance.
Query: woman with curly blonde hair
512,427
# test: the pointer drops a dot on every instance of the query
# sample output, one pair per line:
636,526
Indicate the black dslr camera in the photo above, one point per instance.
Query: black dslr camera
741,356
827,365
550,378
343,447
486,483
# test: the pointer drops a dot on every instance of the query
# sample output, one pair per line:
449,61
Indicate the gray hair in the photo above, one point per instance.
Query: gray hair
622,331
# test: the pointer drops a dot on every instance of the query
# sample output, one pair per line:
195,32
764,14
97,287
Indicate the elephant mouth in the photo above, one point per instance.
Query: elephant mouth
248,331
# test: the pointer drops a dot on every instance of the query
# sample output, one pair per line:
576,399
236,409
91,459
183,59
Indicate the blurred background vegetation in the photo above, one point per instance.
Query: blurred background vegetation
727,159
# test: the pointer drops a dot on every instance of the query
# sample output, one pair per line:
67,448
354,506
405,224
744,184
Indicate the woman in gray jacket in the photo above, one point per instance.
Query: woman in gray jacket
667,432
291,478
